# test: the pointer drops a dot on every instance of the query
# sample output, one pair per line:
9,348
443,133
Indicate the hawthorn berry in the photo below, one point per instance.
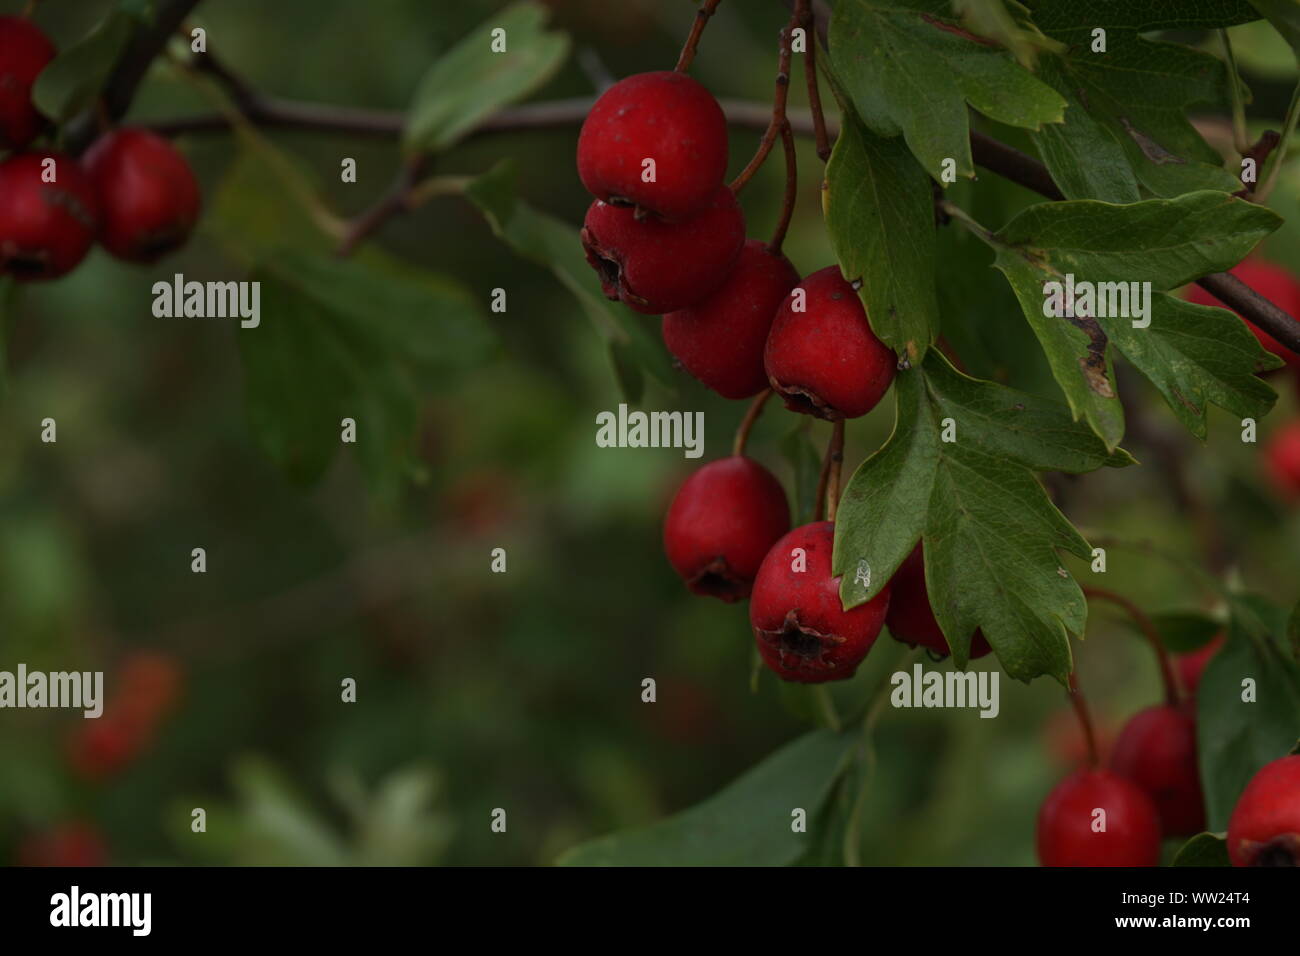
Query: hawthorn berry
720,339
657,141
721,523
654,266
103,747
148,195
1192,664
1264,829
1072,831
825,360
1157,751
148,686
1271,281
1282,459
911,618
24,52
46,228
801,628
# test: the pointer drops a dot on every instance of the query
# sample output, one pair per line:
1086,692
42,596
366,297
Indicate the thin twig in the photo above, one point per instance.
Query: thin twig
803,13
397,199
1239,141
1085,720
827,707
1148,628
693,39
791,190
837,461
778,121
747,423
823,482
1279,154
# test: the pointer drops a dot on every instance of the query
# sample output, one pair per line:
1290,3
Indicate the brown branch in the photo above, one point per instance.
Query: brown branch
747,423
791,189
693,39
1148,629
803,12
778,122
396,200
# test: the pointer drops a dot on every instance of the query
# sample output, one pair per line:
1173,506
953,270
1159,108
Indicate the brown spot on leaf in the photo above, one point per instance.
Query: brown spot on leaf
953,28
1150,148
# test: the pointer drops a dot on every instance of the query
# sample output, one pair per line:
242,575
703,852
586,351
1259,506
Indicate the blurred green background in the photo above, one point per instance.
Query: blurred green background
478,690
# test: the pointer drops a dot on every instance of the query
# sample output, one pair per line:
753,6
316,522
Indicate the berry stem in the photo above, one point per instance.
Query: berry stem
827,707
1085,720
778,121
747,423
803,13
1239,140
1279,154
1144,624
693,39
791,189
835,454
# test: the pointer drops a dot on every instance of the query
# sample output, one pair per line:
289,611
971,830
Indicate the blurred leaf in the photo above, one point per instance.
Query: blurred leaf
1204,849
471,82
992,19
915,70
1182,631
1235,737
255,215
71,81
1285,17
397,824
880,217
1293,631
748,823
1260,49
279,828
555,244
8,302
805,466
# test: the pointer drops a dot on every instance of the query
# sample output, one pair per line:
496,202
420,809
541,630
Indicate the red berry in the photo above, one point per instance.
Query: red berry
1265,826
1272,282
802,630
106,745
69,844
24,51
721,524
147,191
1157,751
655,266
46,228
1070,830
825,360
665,117
1282,459
148,685
720,339
911,618
1192,664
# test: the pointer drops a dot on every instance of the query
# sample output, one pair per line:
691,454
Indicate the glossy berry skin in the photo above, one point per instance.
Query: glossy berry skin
1271,281
720,339
1282,460
654,266
1157,751
667,117
802,631
1264,829
147,192
1192,664
826,361
69,844
721,523
911,618
45,228
24,52
1065,834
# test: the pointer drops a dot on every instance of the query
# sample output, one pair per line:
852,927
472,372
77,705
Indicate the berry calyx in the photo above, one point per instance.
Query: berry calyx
721,524
46,228
1192,664
1264,829
148,194
654,266
801,628
24,52
720,339
911,617
825,360
1157,751
1282,459
1098,818
1271,281
657,141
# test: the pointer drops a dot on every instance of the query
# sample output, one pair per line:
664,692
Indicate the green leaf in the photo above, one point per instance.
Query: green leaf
1193,354
1125,123
341,339
1182,631
880,217
553,243
912,70
1236,737
747,823
990,532
1285,17
1204,849
71,81
472,81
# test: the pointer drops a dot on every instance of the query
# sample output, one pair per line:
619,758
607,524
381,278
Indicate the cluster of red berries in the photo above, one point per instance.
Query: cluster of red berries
148,687
667,236
132,190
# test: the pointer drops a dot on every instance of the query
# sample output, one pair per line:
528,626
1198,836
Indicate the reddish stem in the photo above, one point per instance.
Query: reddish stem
1085,721
803,13
836,458
778,121
693,39
791,189
1144,624
747,423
